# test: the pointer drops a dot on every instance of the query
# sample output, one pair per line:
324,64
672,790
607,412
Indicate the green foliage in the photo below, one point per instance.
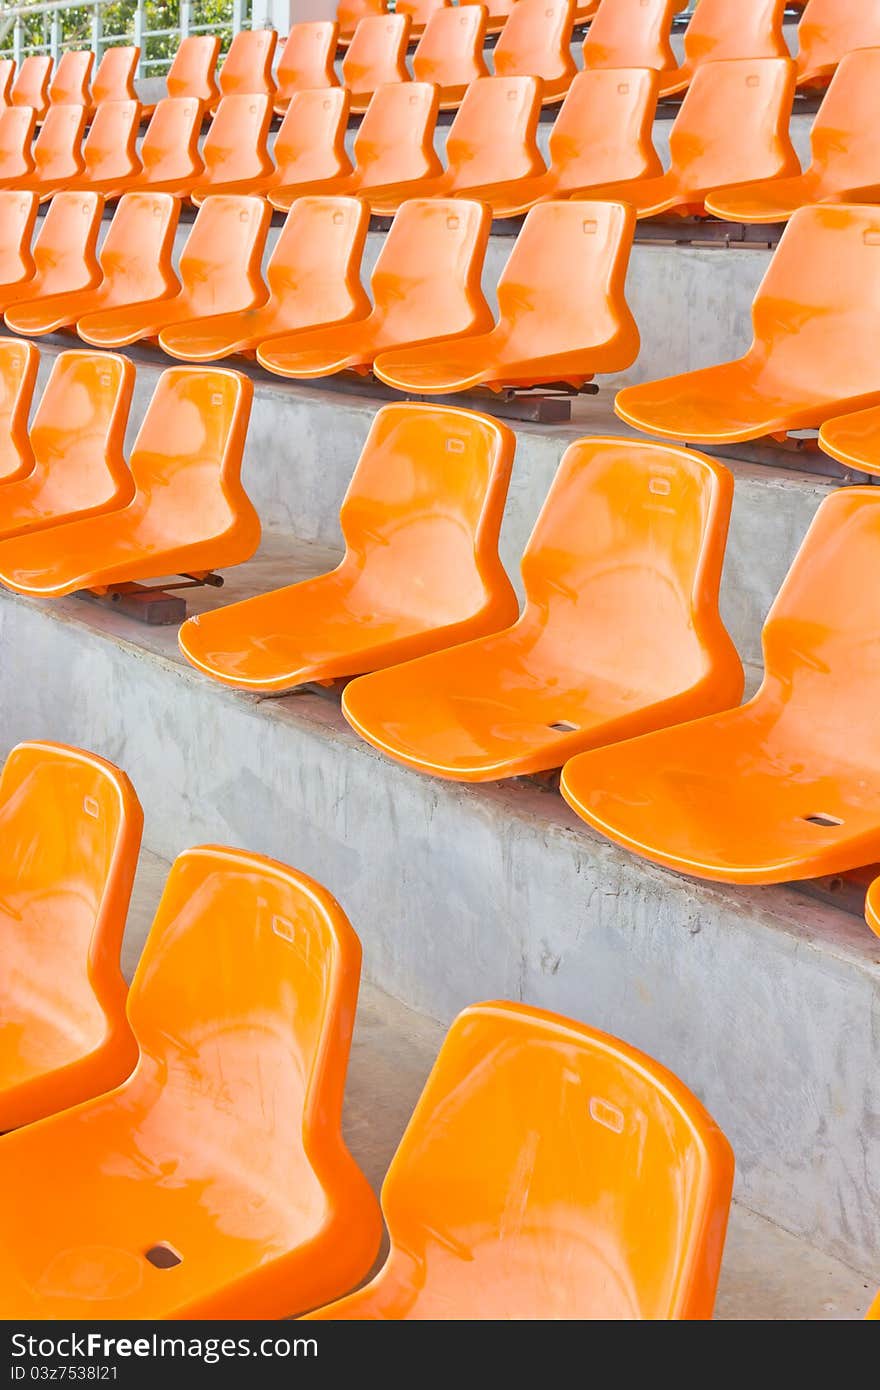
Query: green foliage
117,22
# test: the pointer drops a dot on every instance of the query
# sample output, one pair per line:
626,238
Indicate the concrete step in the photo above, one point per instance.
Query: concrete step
764,1001
767,1272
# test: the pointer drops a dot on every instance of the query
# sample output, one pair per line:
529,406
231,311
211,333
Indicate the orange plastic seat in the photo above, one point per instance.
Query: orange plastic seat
76,442
309,150
56,153
845,165
549,1171
552,326
70,832
854,440
781,788
872,917
18,216
65,253
733,125
375,57
313,277
873,1313
16,135
536,42
135,262
114,78
718,30
394,145
215,1182
828,30
306,62
816,319
192,72
450,52
499,12
169,152
492,140
70,80
7,75
219,272
19,364
349,14
247,67
189,513
585,10
425,287
632,34
620,633
421,570
30,86
420,12
110,156
235,153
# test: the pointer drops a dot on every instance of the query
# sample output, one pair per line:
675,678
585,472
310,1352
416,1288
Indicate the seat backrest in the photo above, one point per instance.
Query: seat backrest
499,10
66,249
16,141
377,53
193,72
316,262
70,81
18,216
306,62
57,150
395,141
114,79
110,148
748,29
494,137
842,138
426,281
7,74
604,130
248,958
828,29
19,363
236,146
349,14
536,40
31,84
137,250
450,51
420,11
311,141
247,67
733,124
552,1171
631,34
170,147
422,512
220,264
70,833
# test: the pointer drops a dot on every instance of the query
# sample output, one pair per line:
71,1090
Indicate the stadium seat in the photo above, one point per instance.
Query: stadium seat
30,86
135,262
309,149
552,326
450,52
549,1171
215,1182
815,318
110,155
536,42
19,363
77,439
313,277
306,62
718,30
219,271
733,125
16,138
65,251
421,570
603,131
70,80
620,633
170,158
872,917
425,287
375,57
493,138
585,10
632,34
854,440
114,78
779,789
499,12
56,152
845,161
236,153
189,513
192,72
349,14
419,12
247,67
828,30
18,216
7,74
393,145
70,832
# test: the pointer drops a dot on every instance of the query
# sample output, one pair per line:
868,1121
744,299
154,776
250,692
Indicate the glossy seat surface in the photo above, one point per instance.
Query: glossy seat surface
632,34
421,570
536,42
76,442
56,152
854,440
215,1182
70,80
169,152
425,287
110,155
551,327
313,276
718,30
309,150
733,125
7,75
247,68
376,56
17,124
18,216
30,86
349,14
420,12
235,151
782,788
306,62
828,30
845,164
815,317
499,12
220,272
136,267
19,363
70,832
620,632
192,71
450,51
65,252
114,78
549,1171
